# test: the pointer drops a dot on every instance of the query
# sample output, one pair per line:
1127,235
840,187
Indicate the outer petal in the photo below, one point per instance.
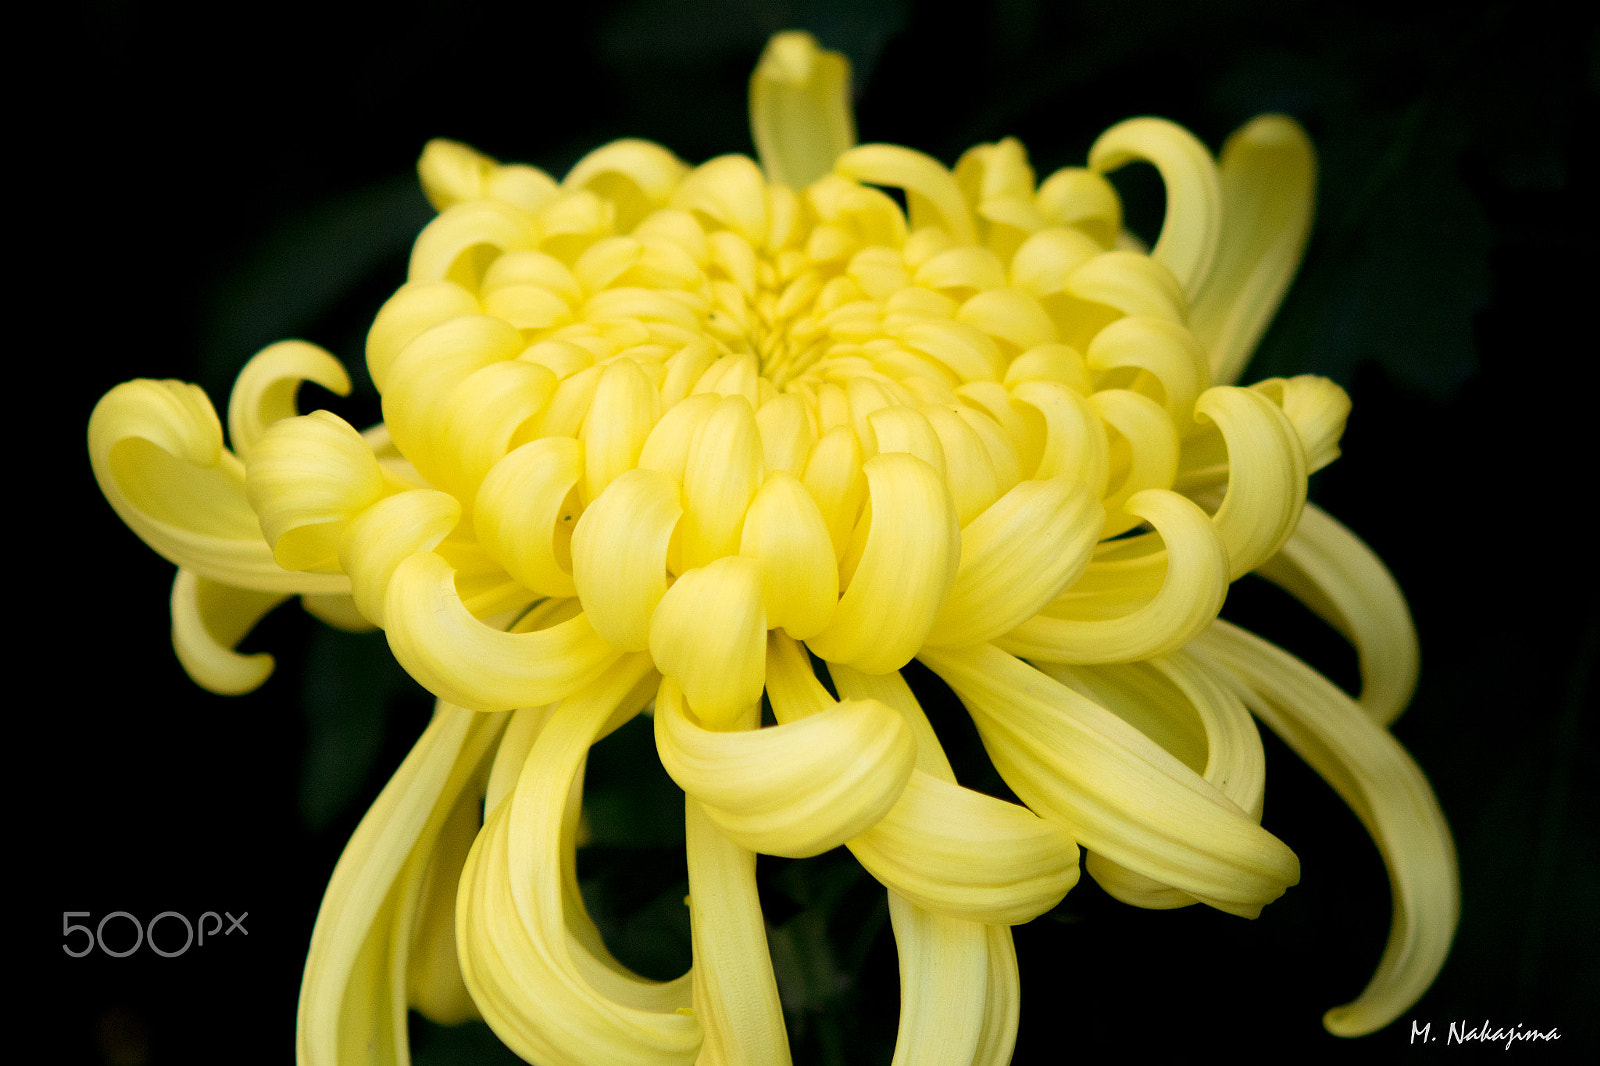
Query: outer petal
1268,184
352,1001
267,386
208,619
156,449
800,113
1119,792
1383,785
449,651
794,789
1331,571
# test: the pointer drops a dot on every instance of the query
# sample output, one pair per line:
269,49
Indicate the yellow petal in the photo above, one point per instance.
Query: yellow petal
208,620
1193,228
1015,558
383,536
1383,785
795,789
722,472
307,478
1085,631
735,991
1317,408
266,389
414,309
525,511
619,554
1117,791
532,959
785,530
1330,570
931,190
909,562
1268,186
944,977
1266,476
624,410
457,657
352,1007
156,449
710,634
800,115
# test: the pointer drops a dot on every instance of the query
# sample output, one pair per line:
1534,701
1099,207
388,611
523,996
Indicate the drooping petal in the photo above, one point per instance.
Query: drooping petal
531,957
208,620
1118,791
307,478
1015,558
944,977
1386,790
736,994
1330,570
352,1002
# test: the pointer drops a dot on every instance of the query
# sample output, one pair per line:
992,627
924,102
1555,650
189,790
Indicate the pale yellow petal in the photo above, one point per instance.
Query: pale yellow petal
709,633
383,536
619,554
785,530
931,190
1117,791
1266,475
797,788
1330,570
1016,556
1192,230
307,478
944,977
800,116
1387,791
907,566
455,656
208,621
1084,630
156,449
525,512
266,389
1268,180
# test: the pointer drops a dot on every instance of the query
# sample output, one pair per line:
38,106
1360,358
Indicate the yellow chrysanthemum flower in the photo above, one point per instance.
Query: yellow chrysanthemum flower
662,436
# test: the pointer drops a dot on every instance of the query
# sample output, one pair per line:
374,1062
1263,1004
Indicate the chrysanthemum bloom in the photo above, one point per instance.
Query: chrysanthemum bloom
665,438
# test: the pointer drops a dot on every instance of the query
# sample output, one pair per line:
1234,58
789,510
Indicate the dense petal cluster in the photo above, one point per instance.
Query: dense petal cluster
696,440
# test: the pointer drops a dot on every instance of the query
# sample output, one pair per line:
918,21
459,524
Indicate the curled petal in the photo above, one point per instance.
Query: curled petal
1118,791
800,115
1084,631
710,634
1016,556
619,553
267,386
386,534
454,655
963,854
1268,179
907,565
307,477
1330,570
1193,228
156,449
793,789
624,410
524,513
1163,348
208,620
931,190
1266,476
1147,450
722,472
1388,792
415,308
1317,408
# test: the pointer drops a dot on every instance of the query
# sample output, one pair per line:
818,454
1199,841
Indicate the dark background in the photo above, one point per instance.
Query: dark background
189,186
